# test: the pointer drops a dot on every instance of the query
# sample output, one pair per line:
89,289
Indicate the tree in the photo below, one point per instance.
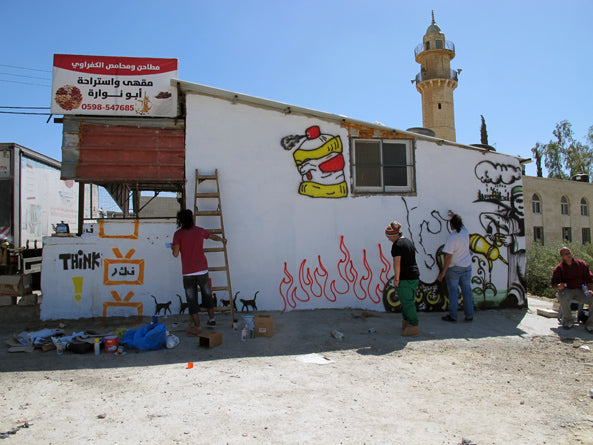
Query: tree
484,133
538,152
564,156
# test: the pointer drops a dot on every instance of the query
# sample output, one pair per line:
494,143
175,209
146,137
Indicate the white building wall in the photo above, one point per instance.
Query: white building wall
270,226
297,251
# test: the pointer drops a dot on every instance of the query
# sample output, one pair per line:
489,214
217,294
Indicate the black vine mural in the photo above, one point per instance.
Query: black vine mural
500,244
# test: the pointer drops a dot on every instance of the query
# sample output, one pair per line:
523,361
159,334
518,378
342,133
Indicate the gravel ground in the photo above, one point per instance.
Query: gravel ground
510,377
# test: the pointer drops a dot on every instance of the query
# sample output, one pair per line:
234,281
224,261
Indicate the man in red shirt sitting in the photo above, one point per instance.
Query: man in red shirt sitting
574,282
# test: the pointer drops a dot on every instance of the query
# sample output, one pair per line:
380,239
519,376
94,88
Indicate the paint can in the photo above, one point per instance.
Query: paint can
111,343
249,321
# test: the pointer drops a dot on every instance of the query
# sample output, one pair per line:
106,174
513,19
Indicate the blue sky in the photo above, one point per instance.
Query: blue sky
525,64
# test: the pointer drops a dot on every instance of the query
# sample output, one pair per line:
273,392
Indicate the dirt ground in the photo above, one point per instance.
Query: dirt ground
510,377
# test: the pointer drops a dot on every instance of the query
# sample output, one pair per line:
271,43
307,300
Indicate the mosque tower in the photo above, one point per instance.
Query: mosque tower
436,82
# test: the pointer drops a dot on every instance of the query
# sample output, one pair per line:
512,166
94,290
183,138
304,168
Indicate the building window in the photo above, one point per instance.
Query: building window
566,234
536,204
383,165
538,234
586,232
426,45
584,207
564,206
439,44
439,106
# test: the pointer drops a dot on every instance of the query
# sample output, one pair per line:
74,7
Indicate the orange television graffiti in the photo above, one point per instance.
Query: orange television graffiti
123,270
125,303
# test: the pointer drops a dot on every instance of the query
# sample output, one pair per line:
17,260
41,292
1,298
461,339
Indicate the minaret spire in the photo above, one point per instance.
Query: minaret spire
436,81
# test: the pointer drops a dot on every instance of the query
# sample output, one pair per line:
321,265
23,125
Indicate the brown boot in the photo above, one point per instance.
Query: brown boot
405,324
411,331
193,331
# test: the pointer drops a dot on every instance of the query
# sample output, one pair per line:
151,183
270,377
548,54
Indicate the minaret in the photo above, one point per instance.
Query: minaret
436,82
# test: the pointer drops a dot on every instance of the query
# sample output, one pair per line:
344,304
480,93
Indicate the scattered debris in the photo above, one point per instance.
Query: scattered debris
315,359
548,313
6,434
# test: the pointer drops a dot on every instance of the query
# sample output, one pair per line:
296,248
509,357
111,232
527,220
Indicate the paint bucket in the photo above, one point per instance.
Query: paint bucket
249,321
111,343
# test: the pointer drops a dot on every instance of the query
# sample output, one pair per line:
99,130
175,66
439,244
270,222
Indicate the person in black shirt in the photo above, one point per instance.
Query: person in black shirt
405,277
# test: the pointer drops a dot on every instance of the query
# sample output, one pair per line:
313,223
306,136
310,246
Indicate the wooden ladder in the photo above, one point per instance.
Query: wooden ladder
210,210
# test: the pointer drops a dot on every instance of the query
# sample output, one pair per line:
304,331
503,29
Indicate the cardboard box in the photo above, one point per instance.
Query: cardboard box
7,300
264,325
210,339
15,285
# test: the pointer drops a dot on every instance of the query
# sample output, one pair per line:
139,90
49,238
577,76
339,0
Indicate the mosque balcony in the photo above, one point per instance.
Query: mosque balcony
438,44
421,77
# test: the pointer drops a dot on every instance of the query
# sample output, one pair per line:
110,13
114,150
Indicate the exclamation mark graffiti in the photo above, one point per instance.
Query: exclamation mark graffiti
77,287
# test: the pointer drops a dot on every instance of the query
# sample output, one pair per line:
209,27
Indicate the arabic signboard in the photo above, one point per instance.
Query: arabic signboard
113,86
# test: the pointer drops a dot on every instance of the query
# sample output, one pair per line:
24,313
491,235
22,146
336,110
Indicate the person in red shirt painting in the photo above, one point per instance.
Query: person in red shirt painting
189,241
574,281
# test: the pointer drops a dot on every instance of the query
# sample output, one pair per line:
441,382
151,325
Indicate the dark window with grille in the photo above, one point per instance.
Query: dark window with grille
584,207
566,234
538,234
383,165
536,204
586,235
564,210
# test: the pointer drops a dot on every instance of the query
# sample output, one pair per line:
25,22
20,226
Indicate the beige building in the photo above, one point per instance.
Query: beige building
557,209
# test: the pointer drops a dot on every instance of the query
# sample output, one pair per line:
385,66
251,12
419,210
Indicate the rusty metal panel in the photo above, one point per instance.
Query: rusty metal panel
110,151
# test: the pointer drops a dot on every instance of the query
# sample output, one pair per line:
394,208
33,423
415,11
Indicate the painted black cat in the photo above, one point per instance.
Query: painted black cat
249,303
228,302
161,307
183,305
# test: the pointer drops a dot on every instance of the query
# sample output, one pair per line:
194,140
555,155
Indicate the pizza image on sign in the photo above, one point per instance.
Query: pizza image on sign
68,97
113,86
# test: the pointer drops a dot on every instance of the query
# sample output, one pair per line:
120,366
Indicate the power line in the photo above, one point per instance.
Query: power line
24,83
24,68
28,108
23,112
28,77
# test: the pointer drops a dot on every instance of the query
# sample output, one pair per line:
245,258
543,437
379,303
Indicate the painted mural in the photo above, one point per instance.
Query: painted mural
497,250
319,160
111,270
504,225
344,279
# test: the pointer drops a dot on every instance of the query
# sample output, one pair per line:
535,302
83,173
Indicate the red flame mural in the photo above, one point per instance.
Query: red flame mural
315,284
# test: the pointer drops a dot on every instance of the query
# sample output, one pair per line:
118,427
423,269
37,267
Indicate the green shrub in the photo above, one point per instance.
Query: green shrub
541,261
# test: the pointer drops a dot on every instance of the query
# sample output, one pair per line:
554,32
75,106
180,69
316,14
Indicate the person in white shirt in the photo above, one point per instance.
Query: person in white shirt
458,269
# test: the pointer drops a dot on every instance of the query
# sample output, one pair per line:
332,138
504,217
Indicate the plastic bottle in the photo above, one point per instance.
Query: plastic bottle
337,334
585,290
244,334
372,330
97,346
59,347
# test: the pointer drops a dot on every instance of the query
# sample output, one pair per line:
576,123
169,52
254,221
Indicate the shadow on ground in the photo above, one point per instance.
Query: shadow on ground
295,333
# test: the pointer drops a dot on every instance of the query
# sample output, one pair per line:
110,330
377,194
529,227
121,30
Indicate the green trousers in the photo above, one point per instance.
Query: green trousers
407,296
